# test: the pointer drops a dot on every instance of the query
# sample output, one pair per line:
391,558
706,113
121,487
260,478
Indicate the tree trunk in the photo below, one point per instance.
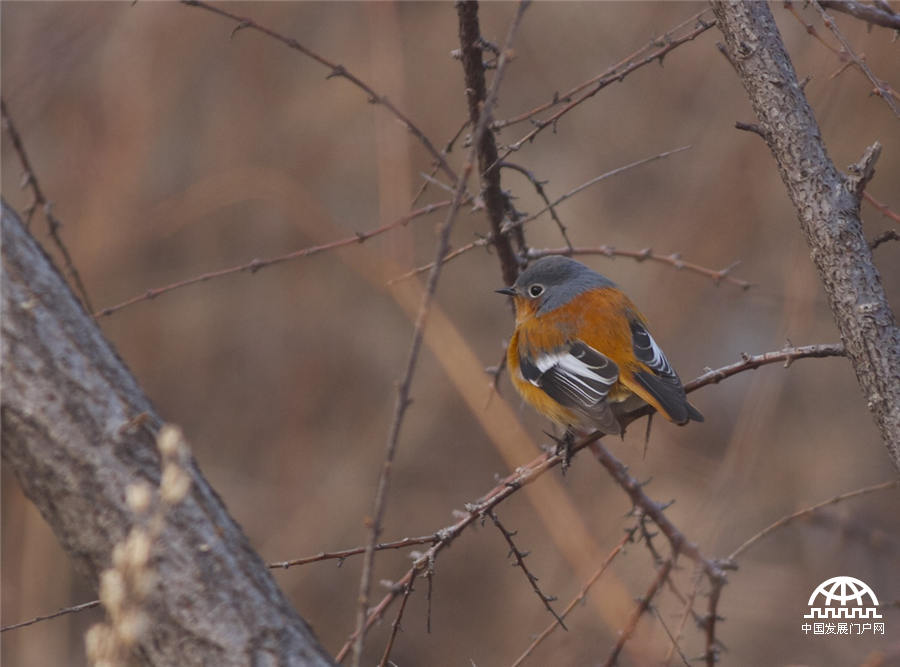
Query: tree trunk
827,204
68,401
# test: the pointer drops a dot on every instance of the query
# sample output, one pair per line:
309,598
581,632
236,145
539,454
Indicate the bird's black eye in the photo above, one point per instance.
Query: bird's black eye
536,290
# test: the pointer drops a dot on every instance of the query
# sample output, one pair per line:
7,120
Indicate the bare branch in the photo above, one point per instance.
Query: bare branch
255,265
336,70
882,16
346,553
657,49
753,361
53,223
643,605
519,557
884,209
880,88
827,204
479,243
783,521
578,599
403,389
674,260
495,200
61,612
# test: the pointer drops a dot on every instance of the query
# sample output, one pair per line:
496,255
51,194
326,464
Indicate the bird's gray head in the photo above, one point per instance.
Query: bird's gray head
553,281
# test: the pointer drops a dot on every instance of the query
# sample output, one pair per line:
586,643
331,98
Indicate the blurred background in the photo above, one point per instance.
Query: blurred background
170,150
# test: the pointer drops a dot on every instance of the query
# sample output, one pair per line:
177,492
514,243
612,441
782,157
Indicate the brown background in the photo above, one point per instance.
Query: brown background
170,150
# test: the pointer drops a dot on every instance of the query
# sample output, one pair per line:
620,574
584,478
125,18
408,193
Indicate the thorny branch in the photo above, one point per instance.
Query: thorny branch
643,605
403,389
53,223
880,14
673,259
879,87
337,70
578,599
528,473
519,557
783,521
665,44
622,68
496,201
255,265
481,242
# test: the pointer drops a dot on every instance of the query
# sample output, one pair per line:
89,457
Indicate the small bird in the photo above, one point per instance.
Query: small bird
581,353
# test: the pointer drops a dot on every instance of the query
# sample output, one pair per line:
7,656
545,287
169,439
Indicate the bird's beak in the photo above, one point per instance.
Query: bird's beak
508,291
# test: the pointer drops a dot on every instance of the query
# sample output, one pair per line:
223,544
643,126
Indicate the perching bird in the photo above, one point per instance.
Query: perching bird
581,353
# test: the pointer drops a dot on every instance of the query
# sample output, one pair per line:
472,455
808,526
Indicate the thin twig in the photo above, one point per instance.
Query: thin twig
395,626
884,209
752,361
519,557
884,17
346,553
783,521
672,259
53,223
688,612
882,90
644,604
474,511
539,188
618,71
436,166
62,612
667,44
336,70
578,599
481,242
255,265
714,570
403,389
672,639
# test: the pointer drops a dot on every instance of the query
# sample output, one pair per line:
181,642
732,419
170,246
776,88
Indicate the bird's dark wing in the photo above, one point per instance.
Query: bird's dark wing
578,377
662,382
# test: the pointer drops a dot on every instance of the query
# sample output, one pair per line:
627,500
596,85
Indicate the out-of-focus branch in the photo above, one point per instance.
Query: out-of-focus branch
337,70
783,521
648,53
77,431
877,15
255,265
663,46
827,204
673,259
402,401
53,223
880,88
510,224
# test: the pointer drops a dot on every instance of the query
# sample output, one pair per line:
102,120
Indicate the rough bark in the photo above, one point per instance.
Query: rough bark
827,204
67,400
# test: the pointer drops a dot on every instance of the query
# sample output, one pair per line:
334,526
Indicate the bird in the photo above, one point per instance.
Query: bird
581,353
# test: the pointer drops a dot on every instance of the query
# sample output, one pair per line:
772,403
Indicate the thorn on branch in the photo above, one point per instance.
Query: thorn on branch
861,172
337,70
884,237
240,26
751,127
